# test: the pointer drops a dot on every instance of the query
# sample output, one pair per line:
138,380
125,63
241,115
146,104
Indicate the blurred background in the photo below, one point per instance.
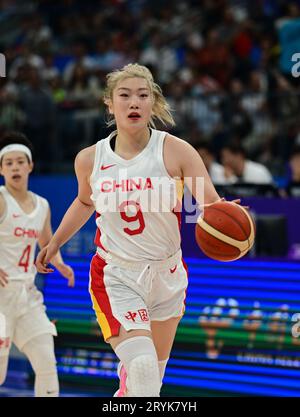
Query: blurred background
229,71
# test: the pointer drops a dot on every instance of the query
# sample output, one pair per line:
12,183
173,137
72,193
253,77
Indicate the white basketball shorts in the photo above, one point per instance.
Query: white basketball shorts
21,305
132,294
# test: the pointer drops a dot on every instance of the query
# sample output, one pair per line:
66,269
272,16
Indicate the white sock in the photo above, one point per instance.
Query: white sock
46,385
40,352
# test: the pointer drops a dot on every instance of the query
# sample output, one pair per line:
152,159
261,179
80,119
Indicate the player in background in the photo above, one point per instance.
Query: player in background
138,279
24,222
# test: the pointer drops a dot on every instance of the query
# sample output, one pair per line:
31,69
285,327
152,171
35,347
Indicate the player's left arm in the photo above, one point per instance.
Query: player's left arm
193,171
195,174
57,261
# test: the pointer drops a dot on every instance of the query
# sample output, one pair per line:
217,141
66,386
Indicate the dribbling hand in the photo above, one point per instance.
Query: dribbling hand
236,201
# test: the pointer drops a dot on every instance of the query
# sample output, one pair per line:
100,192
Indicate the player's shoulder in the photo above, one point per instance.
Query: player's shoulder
87,152
176,141
85,158
43,201
176,144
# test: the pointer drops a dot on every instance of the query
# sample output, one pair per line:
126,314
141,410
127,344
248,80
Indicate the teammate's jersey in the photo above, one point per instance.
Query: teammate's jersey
137,202
19,233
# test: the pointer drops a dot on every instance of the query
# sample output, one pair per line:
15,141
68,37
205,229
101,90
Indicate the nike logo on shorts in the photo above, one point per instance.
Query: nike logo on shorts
103,167
172,270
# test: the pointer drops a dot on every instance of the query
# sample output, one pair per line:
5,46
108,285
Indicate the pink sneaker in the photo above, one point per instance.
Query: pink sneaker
123,377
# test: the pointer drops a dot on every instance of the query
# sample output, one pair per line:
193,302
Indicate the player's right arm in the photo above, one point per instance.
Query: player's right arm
77,214
3,274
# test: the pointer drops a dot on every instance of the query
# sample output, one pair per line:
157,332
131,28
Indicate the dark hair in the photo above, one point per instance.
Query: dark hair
236,149
10,137
203,144
295,151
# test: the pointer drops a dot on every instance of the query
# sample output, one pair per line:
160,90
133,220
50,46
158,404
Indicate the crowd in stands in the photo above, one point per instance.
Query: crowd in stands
217,61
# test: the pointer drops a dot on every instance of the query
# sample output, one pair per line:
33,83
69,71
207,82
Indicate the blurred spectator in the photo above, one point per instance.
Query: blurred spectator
80,90
11,116
25,58
294,164
270,155
254,103
39,109
112,55
242,43
286,103
83,95
58,91
79,56
161,56
49,71
39,34
291,10
237,119
215,170
292,181
208,113
228,28
238,169
214,58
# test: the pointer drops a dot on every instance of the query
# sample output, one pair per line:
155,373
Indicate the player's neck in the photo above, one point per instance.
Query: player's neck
20,193
131,143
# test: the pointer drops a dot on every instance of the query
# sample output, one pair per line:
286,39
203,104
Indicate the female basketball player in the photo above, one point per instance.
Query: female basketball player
138,279
24,221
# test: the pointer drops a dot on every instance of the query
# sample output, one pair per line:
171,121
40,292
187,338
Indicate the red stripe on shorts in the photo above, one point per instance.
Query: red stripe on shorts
97,239
187,273
100,293
178,216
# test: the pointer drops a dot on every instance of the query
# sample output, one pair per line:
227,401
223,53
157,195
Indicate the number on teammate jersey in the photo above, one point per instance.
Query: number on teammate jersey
24,260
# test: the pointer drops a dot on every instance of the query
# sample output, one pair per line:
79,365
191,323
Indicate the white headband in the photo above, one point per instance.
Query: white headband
16,147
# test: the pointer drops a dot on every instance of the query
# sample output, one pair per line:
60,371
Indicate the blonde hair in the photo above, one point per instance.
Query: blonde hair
161,109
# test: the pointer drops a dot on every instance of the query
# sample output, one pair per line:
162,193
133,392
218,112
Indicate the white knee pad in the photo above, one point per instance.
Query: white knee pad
143,377
139,357
40,352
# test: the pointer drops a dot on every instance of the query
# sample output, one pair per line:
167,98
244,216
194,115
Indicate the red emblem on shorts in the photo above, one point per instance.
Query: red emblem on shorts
131,315
172,270
143,314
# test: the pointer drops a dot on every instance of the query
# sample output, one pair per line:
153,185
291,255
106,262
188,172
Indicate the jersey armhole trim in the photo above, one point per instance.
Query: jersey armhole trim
160,155
4,214
96,158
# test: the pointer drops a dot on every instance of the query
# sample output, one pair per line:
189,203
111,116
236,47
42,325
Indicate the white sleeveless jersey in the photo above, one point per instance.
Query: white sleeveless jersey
138,204
19,233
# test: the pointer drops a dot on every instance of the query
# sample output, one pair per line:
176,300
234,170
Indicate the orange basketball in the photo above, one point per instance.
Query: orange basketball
225,231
